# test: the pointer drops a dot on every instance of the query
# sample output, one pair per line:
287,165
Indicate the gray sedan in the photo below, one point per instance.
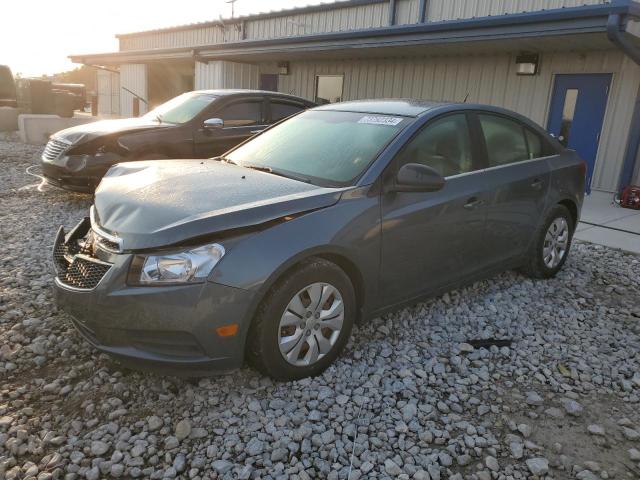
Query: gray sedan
271,252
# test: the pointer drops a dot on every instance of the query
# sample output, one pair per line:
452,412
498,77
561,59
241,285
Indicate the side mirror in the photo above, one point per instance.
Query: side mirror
213,124
415,177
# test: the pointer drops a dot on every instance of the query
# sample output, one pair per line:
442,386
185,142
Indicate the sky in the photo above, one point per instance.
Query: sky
36,36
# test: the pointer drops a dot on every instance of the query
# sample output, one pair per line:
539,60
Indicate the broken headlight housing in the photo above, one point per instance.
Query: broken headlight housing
175,268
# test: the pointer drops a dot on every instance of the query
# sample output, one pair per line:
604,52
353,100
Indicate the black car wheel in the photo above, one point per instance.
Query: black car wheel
551,245
304,321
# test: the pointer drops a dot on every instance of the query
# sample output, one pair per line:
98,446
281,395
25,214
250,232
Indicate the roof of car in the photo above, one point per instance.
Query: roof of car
403,106
241,91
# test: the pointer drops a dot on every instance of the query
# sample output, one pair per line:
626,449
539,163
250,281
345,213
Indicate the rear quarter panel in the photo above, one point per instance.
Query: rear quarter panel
567,181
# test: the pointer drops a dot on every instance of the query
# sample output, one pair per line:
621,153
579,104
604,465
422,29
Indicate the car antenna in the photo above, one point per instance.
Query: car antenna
466,97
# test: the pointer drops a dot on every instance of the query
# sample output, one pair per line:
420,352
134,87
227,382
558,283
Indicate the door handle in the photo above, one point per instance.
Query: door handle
253,132
537,184
472,203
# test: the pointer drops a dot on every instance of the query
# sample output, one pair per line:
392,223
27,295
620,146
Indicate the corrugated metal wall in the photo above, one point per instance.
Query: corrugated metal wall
220,74
108,93
407,11
438,10
346,18
489,79
339,19
221,33
134,77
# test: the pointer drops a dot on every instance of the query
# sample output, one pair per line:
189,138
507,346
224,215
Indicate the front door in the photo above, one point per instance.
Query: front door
577,111
242,119
433,239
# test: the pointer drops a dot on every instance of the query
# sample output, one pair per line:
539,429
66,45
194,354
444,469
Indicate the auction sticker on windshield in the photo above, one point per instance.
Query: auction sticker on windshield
379,120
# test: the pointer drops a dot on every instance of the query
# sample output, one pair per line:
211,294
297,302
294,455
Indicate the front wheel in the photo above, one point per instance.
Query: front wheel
551,245
304,321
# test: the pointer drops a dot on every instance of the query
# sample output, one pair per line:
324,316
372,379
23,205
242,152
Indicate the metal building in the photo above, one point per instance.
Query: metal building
570,65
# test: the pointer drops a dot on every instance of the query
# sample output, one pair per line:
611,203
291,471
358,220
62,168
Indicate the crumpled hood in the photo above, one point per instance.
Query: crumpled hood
159,203
89,131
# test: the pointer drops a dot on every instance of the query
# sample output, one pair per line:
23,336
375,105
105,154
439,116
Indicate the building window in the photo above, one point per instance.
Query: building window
329,89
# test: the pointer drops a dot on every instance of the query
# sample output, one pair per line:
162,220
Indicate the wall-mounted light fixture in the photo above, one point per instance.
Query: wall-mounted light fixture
527,64
283,68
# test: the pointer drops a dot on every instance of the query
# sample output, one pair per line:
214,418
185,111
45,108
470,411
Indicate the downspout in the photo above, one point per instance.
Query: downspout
615,34
422,11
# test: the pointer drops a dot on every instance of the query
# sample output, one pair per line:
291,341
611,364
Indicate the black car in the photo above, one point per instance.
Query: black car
199,124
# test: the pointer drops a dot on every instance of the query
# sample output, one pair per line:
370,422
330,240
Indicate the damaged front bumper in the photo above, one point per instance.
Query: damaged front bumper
78,173
171,329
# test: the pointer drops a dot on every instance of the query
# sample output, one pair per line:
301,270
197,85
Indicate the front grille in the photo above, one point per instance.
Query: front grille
54,149
74,260
84,272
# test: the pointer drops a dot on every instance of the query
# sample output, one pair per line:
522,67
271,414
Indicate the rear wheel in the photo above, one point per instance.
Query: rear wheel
304,321
551,245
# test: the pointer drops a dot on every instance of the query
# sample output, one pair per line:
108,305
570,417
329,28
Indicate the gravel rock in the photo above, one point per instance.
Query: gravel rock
410,397
538,466
99,448
183,429
572,407
596,430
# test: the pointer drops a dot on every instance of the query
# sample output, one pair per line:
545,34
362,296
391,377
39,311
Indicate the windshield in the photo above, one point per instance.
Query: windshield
325,146
182,108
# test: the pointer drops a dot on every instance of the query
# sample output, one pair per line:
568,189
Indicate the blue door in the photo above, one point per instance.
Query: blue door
577,112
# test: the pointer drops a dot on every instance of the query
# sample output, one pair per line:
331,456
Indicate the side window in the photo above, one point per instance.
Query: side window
280,110
535,144
443,145
505,140
242,114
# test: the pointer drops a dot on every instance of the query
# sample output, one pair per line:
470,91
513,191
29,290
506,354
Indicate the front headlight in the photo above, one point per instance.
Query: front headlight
188,266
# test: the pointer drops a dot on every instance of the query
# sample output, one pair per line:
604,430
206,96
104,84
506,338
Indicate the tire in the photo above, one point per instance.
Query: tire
540,266
276,320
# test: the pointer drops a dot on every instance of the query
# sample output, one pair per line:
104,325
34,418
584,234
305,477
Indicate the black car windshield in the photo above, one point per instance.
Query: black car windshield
323,146
181,109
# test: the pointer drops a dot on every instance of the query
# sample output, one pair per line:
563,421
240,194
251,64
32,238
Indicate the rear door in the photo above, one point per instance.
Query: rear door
432,239
242,119
517,180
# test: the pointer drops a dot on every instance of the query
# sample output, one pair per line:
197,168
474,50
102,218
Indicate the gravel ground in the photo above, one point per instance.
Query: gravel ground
410,397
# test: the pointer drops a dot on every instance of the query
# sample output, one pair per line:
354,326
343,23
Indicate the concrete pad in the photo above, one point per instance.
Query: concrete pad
630,222
611,238
36,129
599,208
8,119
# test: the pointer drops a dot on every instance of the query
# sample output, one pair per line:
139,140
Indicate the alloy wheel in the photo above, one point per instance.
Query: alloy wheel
556,242
311,324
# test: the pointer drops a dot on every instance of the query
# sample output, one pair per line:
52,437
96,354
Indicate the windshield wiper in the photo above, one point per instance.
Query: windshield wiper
270,170
262,168
159,118
227,160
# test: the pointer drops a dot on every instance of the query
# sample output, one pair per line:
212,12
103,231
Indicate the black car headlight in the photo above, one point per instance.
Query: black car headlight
187,266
